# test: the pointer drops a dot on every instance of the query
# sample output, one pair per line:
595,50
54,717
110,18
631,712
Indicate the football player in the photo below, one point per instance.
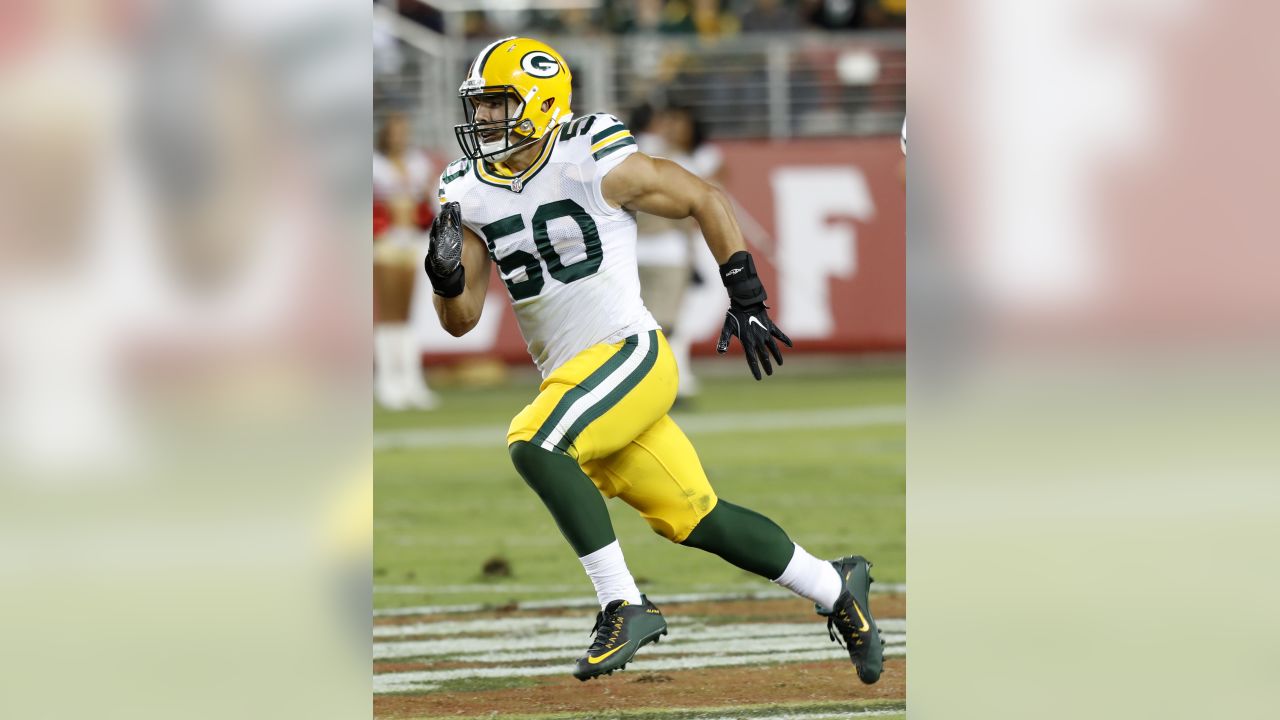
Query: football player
551,200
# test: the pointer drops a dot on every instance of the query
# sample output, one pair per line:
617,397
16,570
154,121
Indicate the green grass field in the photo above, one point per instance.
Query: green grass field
835,483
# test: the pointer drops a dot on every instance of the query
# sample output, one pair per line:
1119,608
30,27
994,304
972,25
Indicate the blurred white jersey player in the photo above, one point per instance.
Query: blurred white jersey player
671,252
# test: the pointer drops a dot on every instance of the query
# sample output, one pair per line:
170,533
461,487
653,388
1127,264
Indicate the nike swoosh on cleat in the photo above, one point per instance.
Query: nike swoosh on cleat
865,625
600,658
858,610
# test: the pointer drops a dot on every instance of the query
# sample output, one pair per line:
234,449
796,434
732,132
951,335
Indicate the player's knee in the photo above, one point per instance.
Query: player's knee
525,457
679,527
666,529
534,464
708,524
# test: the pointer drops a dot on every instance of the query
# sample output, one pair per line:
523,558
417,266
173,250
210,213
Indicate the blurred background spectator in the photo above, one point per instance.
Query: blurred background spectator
403,181
705,18
668,251
771,16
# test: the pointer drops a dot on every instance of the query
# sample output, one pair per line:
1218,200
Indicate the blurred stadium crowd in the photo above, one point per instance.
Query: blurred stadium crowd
707,18
713,56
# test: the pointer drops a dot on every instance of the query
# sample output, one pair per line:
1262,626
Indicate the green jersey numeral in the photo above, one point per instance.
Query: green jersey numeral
534,281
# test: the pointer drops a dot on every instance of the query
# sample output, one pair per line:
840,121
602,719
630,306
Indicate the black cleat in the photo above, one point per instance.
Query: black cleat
850,622
621,629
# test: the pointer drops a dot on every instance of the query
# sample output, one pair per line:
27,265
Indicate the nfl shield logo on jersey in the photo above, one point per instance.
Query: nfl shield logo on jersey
516,185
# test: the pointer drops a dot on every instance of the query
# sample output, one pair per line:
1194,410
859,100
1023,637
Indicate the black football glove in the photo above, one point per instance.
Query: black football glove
747,318
444,255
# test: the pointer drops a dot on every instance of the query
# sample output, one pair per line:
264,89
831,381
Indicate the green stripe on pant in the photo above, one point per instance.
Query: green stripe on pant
579,391
615,396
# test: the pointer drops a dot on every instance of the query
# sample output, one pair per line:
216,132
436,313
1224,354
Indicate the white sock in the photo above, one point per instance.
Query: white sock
399,365
388,388
608,572
409,365
384,347
811,578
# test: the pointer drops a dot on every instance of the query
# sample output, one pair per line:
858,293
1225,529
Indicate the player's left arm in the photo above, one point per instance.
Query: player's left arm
660,187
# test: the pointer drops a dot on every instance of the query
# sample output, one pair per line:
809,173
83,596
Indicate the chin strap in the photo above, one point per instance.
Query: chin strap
510,149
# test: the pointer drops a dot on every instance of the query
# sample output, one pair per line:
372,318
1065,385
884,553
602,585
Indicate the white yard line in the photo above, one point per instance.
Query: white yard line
741,647
523,626
496,626
532,646
428,679
739,638
475,588
572,648
693,424
587,602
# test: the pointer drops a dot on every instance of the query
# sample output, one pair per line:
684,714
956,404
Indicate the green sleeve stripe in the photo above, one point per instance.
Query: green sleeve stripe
606,133
450,178
611,148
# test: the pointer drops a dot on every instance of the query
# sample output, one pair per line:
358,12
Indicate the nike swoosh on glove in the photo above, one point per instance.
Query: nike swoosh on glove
444,254
748,317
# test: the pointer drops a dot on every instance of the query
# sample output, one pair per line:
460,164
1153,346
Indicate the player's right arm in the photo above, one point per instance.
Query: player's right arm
457,265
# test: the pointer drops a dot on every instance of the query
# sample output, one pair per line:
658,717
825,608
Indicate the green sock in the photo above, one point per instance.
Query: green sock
568,493
745,538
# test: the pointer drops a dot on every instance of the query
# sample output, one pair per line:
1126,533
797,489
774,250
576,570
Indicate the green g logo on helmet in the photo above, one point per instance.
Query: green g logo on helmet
539,64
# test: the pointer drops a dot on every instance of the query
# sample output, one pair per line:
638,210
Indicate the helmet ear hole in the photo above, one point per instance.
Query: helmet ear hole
546,104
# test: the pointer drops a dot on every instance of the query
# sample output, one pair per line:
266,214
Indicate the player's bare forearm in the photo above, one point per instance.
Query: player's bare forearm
714,214
459,314
660,187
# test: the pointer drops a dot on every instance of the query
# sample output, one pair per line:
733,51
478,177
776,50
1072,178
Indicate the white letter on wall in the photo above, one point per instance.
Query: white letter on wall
813,210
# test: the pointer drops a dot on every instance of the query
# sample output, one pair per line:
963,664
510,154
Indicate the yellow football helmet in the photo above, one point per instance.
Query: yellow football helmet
537,80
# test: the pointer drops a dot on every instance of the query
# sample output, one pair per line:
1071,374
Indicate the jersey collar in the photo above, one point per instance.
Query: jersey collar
487,176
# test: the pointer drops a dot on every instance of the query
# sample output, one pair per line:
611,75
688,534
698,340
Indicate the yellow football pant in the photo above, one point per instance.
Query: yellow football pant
607,408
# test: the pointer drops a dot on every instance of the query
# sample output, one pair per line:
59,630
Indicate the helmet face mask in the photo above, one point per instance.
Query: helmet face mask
525,89
497,139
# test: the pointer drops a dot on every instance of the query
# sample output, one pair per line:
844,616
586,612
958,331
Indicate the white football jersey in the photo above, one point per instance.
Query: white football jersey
568,260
